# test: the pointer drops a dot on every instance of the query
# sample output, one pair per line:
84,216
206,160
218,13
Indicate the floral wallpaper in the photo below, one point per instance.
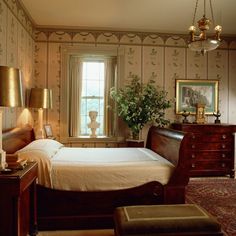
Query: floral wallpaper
162,58
16,50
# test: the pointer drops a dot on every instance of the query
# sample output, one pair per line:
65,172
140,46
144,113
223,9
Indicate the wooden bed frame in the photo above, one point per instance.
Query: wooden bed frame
59,209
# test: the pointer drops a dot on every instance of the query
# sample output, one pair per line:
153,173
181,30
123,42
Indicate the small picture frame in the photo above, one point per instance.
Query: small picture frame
48,130
200,113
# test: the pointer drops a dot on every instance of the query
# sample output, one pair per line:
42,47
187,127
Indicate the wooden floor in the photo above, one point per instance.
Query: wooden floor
105,232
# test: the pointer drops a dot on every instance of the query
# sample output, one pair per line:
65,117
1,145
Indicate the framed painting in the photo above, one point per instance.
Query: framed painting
190,92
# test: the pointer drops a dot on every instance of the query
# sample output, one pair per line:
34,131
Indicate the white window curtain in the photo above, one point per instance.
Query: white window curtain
110,78
75,73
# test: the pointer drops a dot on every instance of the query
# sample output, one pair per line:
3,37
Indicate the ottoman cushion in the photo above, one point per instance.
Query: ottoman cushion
181,219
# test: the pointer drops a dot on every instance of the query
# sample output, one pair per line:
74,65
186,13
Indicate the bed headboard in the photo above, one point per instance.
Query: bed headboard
16,138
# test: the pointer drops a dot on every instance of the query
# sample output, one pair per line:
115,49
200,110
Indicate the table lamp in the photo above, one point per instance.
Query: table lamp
11,95
40,98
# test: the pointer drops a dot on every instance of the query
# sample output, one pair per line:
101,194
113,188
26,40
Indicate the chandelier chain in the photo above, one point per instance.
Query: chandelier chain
195,11
212,16
204,8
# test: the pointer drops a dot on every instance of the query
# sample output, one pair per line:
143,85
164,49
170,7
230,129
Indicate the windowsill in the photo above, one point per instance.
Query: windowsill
135,140
98,139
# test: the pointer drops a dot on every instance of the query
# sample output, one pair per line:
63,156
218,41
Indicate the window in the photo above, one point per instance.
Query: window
92,94
88,73
90,80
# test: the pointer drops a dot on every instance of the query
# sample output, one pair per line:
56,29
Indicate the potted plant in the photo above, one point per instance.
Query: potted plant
139,104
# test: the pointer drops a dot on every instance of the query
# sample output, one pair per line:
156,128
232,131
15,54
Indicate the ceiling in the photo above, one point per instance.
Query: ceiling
163,16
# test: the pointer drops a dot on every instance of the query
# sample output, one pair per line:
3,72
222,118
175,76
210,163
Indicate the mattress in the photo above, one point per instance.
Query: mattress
95,169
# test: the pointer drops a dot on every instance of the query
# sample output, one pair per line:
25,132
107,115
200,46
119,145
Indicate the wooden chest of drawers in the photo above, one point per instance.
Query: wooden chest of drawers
211,152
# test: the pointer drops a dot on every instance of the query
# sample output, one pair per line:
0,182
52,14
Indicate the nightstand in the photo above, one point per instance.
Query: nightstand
134,143
18,202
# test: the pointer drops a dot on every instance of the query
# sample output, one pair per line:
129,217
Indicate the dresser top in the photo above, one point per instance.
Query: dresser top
211,127
205,124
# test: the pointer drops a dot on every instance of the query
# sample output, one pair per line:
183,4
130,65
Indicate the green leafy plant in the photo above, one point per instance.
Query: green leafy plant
139,104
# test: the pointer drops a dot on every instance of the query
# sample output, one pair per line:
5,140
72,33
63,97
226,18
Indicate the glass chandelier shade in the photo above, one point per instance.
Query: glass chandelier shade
199,40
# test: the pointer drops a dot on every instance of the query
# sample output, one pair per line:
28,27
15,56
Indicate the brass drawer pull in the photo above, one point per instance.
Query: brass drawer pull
223,164
193,165
193,137
193,156
224,136
223,155
223,146
193,146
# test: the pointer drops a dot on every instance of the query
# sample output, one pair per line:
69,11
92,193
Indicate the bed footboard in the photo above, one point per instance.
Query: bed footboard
171,145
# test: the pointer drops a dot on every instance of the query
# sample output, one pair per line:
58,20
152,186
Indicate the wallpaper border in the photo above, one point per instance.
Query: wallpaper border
17,9
55,35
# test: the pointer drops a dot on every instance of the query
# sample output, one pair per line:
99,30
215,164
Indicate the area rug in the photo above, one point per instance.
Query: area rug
218,197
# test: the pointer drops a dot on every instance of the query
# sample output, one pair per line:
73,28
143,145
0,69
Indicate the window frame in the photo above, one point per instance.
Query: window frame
85,50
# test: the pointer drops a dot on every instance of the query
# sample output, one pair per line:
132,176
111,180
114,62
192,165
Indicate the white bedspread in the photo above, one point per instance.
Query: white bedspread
89,169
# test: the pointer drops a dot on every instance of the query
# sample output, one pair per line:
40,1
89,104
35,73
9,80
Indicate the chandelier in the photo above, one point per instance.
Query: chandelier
199,40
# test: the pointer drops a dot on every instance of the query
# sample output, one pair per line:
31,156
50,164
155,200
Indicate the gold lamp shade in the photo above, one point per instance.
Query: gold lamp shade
11,94
40,98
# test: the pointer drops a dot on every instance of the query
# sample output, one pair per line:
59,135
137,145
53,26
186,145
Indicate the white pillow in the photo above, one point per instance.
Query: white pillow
48,146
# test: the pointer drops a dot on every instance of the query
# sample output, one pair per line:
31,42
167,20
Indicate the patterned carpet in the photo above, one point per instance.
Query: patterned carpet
218,197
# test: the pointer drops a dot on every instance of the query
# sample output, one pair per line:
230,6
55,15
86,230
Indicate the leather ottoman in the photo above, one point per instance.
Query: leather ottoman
181,219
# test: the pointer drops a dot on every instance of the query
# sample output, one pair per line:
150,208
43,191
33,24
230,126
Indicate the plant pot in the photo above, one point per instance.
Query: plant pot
135,135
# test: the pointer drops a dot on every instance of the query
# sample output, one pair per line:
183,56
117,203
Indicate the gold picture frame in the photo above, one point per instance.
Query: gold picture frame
190,92
200,113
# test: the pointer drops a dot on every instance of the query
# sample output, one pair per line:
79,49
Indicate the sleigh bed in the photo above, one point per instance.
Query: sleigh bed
93,208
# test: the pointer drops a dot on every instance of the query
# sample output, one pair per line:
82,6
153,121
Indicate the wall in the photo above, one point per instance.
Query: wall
161,57
16,50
